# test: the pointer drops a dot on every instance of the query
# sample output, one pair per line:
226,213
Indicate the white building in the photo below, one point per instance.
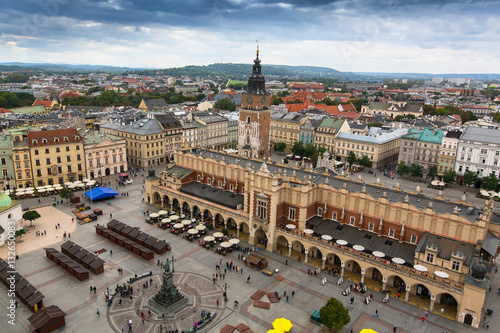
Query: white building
478,151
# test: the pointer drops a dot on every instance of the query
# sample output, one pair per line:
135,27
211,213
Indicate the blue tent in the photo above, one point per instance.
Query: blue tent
100,193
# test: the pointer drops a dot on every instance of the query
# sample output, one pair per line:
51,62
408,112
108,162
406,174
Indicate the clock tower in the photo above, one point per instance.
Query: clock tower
255,116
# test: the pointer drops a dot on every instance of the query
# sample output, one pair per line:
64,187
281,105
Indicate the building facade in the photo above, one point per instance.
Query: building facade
7,176
327,131
105,155
216,130
478,151
422,147
57,156
256,202
381,148
285,127
448,152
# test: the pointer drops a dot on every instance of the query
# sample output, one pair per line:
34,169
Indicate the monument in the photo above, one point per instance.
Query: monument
168,293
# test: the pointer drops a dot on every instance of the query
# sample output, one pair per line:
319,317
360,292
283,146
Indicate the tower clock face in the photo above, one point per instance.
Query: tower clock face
249,99
263,100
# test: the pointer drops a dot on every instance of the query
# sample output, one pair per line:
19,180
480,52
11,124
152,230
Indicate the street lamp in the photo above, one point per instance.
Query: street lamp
173,269
225,292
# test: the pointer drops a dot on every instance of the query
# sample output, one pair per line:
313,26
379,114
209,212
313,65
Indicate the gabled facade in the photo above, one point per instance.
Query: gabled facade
105,155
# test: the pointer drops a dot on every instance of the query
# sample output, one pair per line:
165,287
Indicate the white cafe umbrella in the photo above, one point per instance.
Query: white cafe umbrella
420,268
308,231
58,187
234,241
341,242
200,227
291,226
153,215
442,274
186,222
91,183
193,231
182,216
166,220
209,239
68,183
86,180
29,188
30,191
327,237
20,191
163,212
42,190
398,261
358,248
218,234
48,187
178,226
378,254
225,244
174,217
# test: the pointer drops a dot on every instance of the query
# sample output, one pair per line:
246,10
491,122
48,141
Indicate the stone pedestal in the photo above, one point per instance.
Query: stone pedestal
168,300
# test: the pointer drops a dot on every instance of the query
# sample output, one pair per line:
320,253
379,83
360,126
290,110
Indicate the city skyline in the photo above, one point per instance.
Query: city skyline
356,36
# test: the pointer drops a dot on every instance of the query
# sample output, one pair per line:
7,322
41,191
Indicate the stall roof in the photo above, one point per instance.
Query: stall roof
101,193
43,316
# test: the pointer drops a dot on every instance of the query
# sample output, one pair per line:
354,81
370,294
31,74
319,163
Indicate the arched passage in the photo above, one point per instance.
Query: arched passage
282,244
352,271
315,256
298,250
166,202
186,210
175,205
208,217
333,263
420,296
219,221
196,212
243,231
260,238
232,226
446,305
156,198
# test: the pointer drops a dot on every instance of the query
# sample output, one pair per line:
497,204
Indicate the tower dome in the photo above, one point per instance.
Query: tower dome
5,200
479,269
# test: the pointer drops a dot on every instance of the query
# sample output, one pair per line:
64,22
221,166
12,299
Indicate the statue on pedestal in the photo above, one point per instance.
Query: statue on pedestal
167,266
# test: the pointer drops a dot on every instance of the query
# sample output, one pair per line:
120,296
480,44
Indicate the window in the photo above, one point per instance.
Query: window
371,226
352,220
58,150
334,216
39,172
49,171
391,232
455,265
231,187
59,159
78,158
262,209
79,167
220,183
19,175
91,164
291,214
18,158
430,257
209,181
67,148
47,151
69,168
37,162
320,211
28,174
68,158
484,151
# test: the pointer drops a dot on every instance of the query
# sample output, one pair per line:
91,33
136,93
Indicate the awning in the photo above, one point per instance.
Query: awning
490,244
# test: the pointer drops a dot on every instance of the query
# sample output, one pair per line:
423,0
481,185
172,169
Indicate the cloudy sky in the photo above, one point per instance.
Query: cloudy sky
422,36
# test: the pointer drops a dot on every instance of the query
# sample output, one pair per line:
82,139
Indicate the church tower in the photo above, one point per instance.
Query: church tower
255,116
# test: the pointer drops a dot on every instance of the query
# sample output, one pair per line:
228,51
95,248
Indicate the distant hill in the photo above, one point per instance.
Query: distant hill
240,71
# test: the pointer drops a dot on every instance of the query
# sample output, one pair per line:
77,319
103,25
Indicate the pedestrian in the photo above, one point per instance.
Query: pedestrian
91,289
287,298
123,328
293,293
69,235
95,289
45,232
423,319
488,324
442,311
98,312
58,226
158,263
111,252
110,216
395,329
248,279
286,261
217,303
284,293
376,313
426,314
241,270
143,319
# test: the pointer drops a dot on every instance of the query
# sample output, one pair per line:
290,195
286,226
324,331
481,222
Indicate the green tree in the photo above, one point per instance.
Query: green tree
309,150
334,315
490,183
66,193
276,100
31,215
402,168
428,109
433,172
365,161
328,101
298,149
280,147
449,176
416,170
285,160
374,124
225,104
470,178
351,158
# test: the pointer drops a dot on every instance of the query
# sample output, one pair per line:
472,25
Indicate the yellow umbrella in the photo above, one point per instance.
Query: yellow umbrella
282,324
367,330
274,331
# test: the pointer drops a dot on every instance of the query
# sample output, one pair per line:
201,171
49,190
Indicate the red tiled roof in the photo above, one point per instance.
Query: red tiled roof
51,136
47,104
2,110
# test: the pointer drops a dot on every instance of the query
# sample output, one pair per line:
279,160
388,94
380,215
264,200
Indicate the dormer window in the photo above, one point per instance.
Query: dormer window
65,139
56,139
76,137
44,140
34,141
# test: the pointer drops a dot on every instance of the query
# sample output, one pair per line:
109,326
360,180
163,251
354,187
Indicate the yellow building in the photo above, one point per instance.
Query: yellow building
448,153
286,128
57,156
382,148
327,131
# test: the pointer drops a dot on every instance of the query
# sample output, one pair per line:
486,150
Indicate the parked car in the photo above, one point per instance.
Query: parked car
129,181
